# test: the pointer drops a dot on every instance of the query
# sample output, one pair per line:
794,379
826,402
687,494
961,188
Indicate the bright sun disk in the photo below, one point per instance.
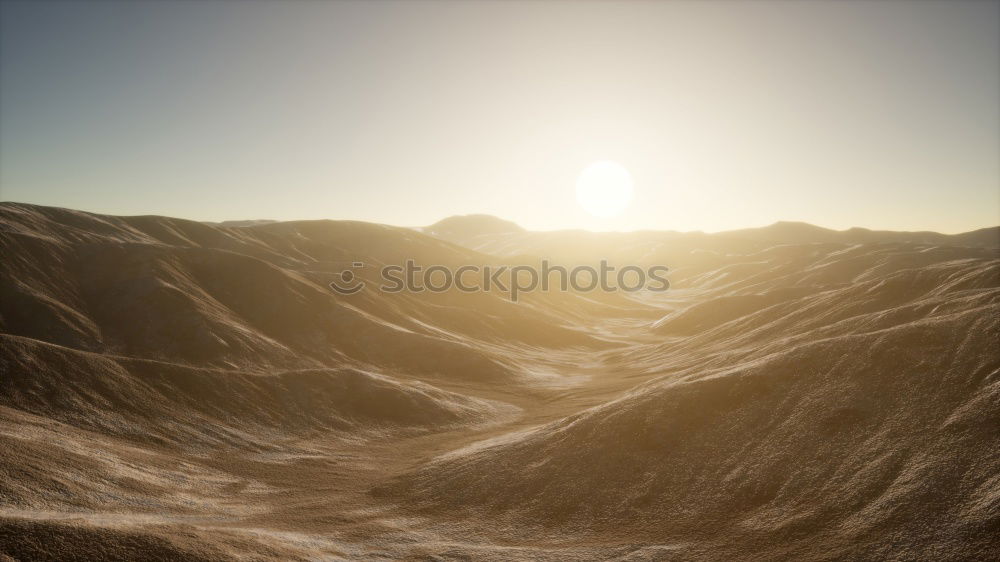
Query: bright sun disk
604,188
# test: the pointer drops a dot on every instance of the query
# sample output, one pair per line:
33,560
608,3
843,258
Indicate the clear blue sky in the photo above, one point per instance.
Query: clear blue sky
876,114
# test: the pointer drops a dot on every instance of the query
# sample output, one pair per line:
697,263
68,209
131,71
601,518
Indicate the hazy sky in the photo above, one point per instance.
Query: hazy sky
885,115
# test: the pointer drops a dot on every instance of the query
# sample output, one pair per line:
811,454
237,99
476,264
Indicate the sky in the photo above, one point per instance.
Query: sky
725,114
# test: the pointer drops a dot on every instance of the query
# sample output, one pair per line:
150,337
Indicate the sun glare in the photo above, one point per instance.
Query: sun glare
604,189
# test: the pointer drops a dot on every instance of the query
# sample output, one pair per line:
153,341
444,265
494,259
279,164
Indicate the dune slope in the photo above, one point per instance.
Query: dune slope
180,390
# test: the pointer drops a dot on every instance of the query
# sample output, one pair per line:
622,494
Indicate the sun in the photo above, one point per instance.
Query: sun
604,188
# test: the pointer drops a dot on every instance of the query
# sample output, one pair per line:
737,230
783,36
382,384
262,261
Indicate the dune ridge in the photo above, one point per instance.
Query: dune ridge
174,389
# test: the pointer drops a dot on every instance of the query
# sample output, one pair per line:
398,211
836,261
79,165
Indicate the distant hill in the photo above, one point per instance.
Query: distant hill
493,235
250,222
470,226
801,232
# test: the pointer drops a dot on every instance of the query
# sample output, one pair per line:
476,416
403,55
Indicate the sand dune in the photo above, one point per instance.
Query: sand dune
807,438
179,390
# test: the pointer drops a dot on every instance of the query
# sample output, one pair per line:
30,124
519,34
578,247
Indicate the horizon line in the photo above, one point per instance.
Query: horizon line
488,216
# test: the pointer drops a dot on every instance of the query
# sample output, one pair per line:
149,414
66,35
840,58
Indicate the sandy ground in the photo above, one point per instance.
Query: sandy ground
174,390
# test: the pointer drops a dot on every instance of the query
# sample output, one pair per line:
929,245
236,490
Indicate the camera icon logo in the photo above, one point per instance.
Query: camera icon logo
349,283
